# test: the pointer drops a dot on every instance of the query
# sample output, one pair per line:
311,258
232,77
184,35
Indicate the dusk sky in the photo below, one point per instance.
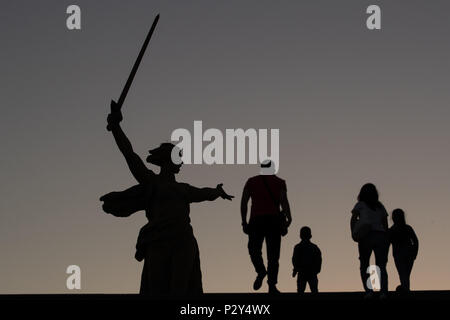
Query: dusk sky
351,105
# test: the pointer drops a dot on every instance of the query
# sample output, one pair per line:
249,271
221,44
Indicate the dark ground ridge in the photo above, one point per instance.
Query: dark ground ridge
323,296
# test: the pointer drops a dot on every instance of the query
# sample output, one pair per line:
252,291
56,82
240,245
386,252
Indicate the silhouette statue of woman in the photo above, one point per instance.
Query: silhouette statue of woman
166,243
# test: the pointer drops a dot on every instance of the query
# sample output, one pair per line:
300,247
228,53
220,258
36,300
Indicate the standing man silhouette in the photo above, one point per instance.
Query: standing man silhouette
267,222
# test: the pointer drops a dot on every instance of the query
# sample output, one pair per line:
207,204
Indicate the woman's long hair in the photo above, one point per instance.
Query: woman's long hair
369,195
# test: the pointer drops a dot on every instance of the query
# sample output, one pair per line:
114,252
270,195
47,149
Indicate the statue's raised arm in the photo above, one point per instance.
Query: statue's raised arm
135,163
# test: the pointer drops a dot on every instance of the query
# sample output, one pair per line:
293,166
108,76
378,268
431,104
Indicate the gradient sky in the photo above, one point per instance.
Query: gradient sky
352,106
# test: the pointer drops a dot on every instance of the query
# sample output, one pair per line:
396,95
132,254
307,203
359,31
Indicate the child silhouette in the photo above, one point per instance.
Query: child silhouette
307,262
405,246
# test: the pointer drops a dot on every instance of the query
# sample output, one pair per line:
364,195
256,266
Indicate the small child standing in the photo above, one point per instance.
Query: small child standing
307,261
405,247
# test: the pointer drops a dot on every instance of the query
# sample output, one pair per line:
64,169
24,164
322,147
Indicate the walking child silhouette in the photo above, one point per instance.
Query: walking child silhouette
405,247
307,262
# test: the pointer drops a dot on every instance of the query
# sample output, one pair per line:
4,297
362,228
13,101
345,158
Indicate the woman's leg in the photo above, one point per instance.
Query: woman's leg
381,250
365,250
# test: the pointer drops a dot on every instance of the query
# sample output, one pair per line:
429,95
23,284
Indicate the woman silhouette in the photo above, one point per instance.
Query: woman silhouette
166,243
369,228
